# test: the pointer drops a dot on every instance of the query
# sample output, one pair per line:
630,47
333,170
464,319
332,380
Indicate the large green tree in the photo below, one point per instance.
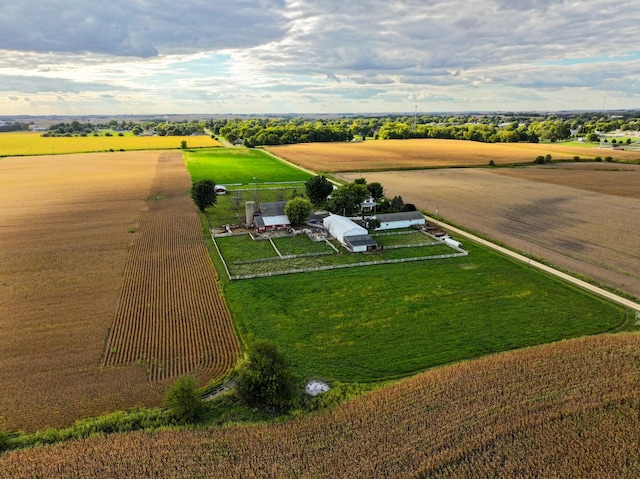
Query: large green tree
266,381
375,190
203,194
297,210
347,199
317,189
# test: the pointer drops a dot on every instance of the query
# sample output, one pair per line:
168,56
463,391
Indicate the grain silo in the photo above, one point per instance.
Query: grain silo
250,208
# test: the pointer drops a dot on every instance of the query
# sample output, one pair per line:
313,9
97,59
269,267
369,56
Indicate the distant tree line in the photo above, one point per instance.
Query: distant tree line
15,126
489,128
158,127
495,128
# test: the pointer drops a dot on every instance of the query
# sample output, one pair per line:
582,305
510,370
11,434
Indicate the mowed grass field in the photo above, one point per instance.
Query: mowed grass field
27,143
583,217
429,153
381,322
98,247
568,409
240,166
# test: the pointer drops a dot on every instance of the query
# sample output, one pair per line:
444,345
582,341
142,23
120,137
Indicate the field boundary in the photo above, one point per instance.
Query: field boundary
350,265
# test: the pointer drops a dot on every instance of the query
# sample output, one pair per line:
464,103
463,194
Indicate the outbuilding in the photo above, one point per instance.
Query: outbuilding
271,216
351,235
405,219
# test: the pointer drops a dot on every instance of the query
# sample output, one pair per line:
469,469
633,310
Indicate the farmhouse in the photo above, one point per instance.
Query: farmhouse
351,235
404,219
270,216
368,205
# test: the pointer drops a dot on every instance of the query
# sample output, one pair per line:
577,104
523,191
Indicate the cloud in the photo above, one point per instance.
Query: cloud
37,84
331,55
141,28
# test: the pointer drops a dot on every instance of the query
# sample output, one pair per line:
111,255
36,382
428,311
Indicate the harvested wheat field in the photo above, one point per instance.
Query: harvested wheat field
580,218
70,227
568,409
404,154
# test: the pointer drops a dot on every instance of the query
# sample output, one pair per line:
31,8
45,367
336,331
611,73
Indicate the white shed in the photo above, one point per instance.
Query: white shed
349,234
405,219
339,227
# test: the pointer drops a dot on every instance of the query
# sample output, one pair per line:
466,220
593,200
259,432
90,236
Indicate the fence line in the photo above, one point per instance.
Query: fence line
221,257
352,265
286,256
396,246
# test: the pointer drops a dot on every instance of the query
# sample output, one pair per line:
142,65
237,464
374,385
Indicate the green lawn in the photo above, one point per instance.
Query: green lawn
382,322
301,244
240,165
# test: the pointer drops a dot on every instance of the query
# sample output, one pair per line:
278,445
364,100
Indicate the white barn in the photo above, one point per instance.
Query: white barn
351,235
405,219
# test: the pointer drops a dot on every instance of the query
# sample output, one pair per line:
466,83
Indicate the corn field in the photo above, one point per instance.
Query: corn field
171,317
569,409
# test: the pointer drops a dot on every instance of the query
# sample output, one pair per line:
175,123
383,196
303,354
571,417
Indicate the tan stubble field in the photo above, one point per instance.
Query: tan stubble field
68,228
582,217
428,153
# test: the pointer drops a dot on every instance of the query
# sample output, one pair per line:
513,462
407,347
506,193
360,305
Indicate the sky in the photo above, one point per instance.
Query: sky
91,57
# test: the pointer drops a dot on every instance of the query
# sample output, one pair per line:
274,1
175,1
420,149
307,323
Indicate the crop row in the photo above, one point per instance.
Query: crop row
171,316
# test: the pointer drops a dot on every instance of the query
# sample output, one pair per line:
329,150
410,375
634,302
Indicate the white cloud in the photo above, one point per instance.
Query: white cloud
275,55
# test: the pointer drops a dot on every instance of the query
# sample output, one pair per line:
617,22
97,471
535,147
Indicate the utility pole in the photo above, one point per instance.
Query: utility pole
415,118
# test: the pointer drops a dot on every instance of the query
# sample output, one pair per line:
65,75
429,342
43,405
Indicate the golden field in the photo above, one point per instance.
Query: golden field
83,270
569,409
582,217
432,153
26,143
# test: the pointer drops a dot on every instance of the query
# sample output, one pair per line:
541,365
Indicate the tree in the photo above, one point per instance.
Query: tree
397,203
297,210
347,199
203,194
375,190
592,137
265,381
183,144
183,400
318,188
373,224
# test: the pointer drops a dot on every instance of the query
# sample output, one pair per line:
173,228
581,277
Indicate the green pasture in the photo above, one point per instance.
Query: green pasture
245,166
381,322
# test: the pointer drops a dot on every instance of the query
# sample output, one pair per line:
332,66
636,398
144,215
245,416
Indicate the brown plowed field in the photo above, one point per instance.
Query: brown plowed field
580,217
403,154
65,242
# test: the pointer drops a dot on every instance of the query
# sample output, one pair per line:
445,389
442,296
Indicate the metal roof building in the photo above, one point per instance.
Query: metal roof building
351,235
405,219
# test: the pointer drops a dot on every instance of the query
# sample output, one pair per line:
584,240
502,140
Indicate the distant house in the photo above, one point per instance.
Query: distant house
368,205
405,219
351,235
270,216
